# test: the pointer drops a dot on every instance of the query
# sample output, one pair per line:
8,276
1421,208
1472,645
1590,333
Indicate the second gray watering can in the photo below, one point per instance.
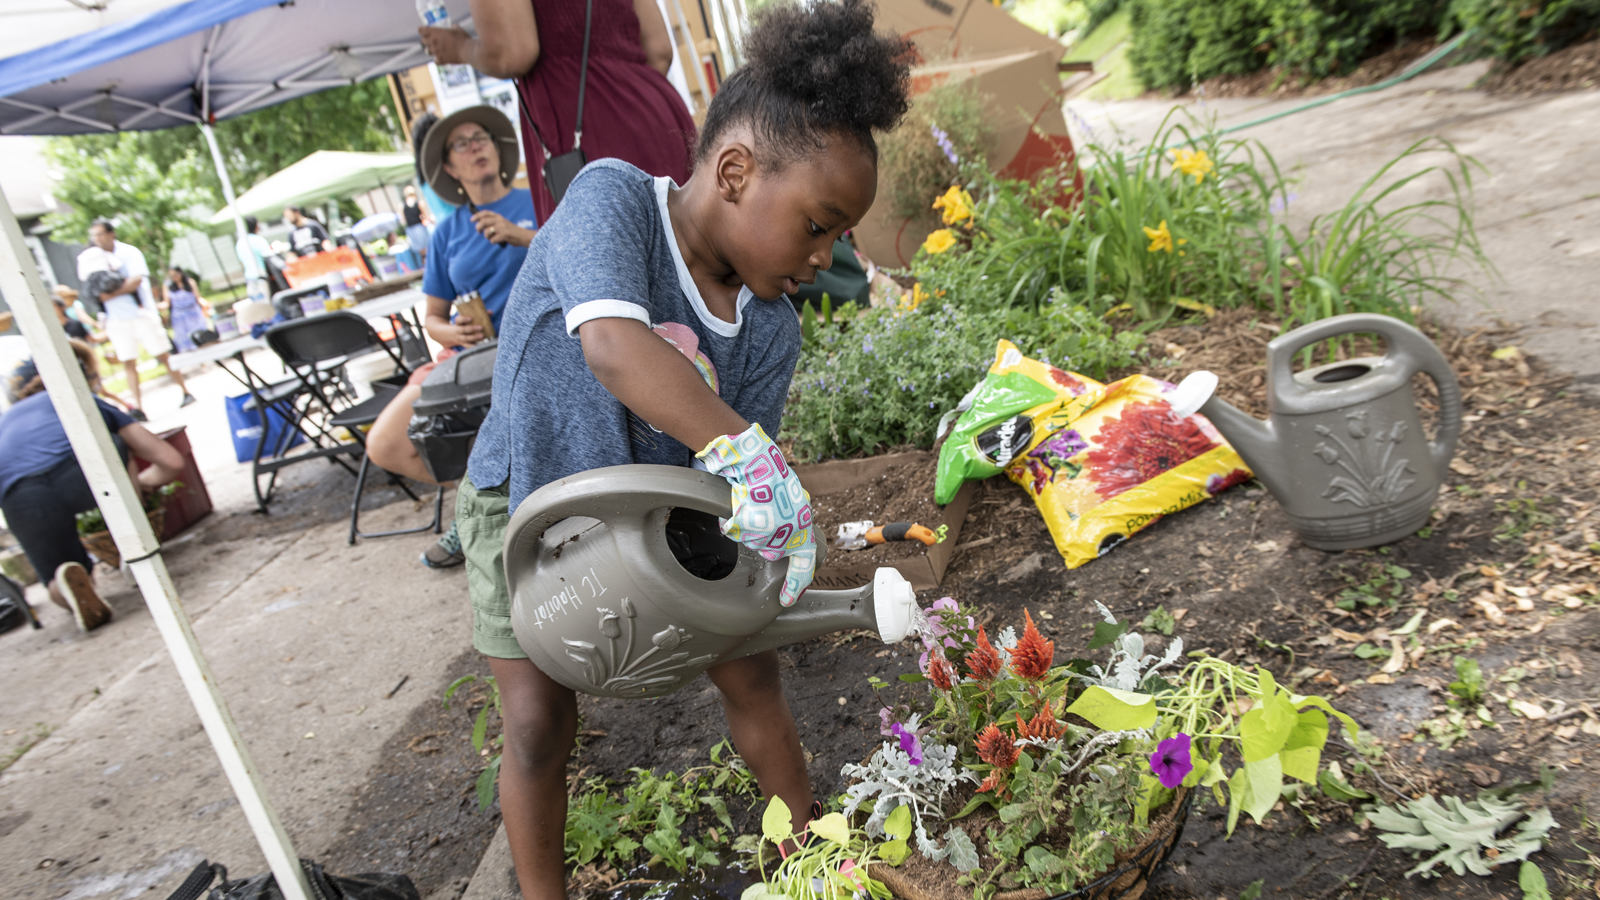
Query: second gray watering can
1342,449
622,585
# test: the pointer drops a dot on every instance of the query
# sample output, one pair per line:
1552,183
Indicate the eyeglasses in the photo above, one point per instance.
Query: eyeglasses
462,145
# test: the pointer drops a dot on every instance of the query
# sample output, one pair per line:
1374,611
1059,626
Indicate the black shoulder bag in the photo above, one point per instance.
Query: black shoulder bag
560,170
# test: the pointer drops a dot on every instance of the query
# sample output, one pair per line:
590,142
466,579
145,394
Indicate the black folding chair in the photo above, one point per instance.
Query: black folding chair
315,349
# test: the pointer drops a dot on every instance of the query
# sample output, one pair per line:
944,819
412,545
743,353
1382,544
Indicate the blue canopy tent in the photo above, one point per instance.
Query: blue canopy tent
119,65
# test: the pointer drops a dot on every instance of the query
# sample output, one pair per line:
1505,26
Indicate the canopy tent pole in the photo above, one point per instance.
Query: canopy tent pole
211,138
119,503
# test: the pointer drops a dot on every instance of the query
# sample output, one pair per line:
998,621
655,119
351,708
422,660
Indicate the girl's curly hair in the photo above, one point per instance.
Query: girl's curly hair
813,70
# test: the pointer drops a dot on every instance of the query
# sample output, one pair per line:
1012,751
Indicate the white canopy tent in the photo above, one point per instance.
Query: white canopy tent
69,67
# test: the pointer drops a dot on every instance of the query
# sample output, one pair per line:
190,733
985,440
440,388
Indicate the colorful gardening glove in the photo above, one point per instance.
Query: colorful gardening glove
771,511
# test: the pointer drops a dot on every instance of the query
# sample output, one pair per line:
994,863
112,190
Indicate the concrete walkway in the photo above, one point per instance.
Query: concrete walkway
307,636
1538,203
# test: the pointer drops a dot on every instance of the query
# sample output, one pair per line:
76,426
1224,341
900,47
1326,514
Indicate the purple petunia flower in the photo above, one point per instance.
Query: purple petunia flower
1171,762
910,742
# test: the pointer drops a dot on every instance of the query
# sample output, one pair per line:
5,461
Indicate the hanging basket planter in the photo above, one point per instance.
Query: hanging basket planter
919,878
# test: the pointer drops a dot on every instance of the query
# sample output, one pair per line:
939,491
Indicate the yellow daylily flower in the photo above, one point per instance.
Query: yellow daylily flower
939,241
956,203
1193,162
1161,238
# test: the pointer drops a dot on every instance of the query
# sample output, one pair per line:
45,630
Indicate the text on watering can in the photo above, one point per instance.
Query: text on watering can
569,599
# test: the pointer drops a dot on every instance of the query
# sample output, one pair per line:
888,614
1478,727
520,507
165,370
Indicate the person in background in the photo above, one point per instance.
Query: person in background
308,236
130,318
42,489
253,251
417,220
189,312
470,154
631,112
64,298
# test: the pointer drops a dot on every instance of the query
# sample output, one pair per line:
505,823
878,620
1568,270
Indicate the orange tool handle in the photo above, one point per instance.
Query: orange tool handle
901,531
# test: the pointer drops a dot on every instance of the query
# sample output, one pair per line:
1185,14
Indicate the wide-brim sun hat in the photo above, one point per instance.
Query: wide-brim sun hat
433,149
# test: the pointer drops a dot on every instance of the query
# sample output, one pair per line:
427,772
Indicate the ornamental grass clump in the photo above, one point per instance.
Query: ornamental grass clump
1038,773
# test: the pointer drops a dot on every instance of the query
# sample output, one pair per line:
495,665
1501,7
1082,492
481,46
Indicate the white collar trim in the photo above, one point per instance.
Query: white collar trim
686,282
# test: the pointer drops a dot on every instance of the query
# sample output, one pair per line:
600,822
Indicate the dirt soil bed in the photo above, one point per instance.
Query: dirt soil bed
1575,68
1279,83
899,495
1514,527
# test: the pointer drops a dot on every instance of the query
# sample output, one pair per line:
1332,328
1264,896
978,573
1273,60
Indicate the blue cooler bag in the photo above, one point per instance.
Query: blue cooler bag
245,426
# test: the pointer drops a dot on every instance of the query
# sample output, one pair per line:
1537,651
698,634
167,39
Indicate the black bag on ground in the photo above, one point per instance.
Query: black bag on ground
14,611
371,886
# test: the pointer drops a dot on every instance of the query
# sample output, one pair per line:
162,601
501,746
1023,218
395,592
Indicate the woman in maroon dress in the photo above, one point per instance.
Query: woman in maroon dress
630,111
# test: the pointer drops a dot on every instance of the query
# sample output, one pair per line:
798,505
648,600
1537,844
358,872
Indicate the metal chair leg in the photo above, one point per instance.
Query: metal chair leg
436,526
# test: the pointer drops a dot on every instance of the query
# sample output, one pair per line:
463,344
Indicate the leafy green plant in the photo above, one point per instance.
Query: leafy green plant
943,135
682,820
1379,252
1160,620
884,379
1177,43
1375,583
92,521
833,860
484,786
1514,31
1521,515
1468,686
1465,835
813,324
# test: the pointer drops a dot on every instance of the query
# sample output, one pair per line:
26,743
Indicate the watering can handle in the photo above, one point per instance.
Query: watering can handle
1406,346
615,494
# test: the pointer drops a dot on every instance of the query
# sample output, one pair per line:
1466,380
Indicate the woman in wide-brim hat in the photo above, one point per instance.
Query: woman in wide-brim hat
469,158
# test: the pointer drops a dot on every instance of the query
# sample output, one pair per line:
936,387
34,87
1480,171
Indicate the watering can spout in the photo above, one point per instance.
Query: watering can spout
1254,439
887,604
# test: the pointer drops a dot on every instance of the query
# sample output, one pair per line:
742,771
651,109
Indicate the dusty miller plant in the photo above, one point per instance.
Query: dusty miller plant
892,780
1129,666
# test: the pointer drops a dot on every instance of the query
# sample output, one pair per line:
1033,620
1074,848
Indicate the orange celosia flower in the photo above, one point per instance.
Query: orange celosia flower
984,660
940,671
1043,725
997,748
1032,656
992,783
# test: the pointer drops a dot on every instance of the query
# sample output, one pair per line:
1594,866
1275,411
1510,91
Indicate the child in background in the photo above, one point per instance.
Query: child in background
649,325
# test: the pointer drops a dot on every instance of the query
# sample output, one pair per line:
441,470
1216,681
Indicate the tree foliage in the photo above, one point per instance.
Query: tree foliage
113,177
147,180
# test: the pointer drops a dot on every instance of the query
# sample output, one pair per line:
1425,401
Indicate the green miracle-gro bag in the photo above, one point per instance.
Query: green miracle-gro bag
1001,415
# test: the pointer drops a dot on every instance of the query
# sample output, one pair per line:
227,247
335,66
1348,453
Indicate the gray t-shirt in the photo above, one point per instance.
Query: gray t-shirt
609,252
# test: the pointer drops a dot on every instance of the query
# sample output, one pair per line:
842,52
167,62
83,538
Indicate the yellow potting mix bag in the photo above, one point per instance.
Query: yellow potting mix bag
1101,461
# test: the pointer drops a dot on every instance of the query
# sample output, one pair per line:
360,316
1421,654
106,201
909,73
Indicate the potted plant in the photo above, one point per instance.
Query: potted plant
96,537
1021,779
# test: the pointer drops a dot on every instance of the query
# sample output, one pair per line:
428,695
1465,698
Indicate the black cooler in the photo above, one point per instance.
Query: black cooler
445,419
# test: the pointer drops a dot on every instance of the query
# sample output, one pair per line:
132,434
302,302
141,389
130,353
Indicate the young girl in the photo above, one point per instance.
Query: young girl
649,325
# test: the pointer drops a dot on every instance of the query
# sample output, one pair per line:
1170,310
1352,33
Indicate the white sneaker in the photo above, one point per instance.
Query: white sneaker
76,586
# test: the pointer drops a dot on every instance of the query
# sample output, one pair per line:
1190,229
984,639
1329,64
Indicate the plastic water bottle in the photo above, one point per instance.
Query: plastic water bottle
434,15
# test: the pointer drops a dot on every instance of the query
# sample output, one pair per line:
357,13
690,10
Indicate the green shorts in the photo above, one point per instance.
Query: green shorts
481,519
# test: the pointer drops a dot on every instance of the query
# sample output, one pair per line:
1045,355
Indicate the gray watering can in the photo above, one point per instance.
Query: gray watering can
622,585
1342,449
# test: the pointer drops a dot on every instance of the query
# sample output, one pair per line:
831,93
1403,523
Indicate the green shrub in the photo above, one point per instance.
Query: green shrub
1517,30
916,167
1176,43
1099,11
885,379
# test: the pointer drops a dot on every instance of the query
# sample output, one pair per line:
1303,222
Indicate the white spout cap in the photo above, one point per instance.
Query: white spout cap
1192,393
894,601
